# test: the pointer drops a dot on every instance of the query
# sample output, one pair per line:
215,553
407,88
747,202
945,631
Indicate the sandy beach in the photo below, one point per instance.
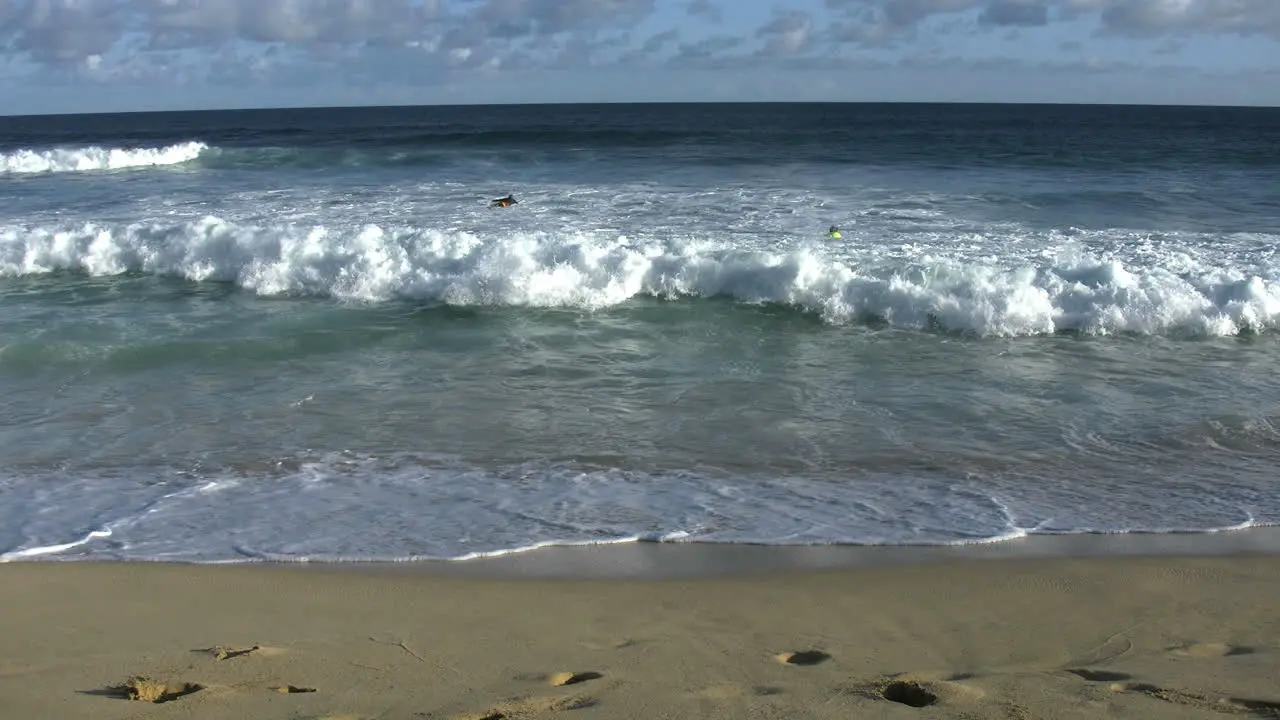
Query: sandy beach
1142,637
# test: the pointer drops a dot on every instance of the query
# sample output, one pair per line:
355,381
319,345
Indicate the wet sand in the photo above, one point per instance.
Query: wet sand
1146,636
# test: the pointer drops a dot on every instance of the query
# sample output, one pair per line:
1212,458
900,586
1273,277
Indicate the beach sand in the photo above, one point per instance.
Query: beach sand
1142,637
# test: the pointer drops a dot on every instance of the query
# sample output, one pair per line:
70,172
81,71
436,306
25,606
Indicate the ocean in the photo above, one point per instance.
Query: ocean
304,335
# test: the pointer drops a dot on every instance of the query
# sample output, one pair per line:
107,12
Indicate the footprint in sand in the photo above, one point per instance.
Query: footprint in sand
615,644
221,652
521,707
573,678
560,679
1225,705
1098,675
802,657
1209,650
733,691
144,689
909,693
917,691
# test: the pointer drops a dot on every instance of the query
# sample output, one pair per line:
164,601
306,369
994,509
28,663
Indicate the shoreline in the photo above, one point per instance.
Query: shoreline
653,560
645,560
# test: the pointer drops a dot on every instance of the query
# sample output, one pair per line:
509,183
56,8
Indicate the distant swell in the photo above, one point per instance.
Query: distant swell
438,150
94,157
576,270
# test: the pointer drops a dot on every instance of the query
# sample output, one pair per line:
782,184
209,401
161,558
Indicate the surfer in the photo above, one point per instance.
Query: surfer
507,201
833,232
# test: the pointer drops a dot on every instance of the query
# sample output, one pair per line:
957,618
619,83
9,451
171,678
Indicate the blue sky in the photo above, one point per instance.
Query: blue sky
117,55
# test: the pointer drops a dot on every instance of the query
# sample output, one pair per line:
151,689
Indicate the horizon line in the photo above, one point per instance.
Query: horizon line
381,106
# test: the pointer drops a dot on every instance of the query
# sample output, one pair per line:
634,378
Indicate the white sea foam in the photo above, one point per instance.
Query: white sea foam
403,509
95,157
28,553
1009,295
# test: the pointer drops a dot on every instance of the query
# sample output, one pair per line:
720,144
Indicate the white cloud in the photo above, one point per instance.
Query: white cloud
204,22
424,41
1162,17
63,31
873,19
704,8
1025,13
786,34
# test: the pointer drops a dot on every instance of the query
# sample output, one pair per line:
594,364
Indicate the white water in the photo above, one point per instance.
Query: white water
1179,285
345,508
81,159
148,424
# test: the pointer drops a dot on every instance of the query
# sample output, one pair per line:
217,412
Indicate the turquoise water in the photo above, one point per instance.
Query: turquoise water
304,335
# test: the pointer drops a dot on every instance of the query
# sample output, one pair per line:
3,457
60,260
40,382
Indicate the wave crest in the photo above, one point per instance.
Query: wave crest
578,270
94,157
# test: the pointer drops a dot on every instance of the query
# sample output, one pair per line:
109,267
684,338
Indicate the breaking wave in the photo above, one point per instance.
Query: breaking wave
94,157
1089,295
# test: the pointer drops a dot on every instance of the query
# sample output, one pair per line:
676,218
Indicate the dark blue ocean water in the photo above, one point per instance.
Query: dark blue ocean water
304,334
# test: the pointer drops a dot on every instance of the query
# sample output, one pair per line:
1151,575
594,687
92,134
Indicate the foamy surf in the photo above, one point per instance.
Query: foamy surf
1077,292
181,345
95,157
392,510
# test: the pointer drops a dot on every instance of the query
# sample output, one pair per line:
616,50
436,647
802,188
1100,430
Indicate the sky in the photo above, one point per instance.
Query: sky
62,56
